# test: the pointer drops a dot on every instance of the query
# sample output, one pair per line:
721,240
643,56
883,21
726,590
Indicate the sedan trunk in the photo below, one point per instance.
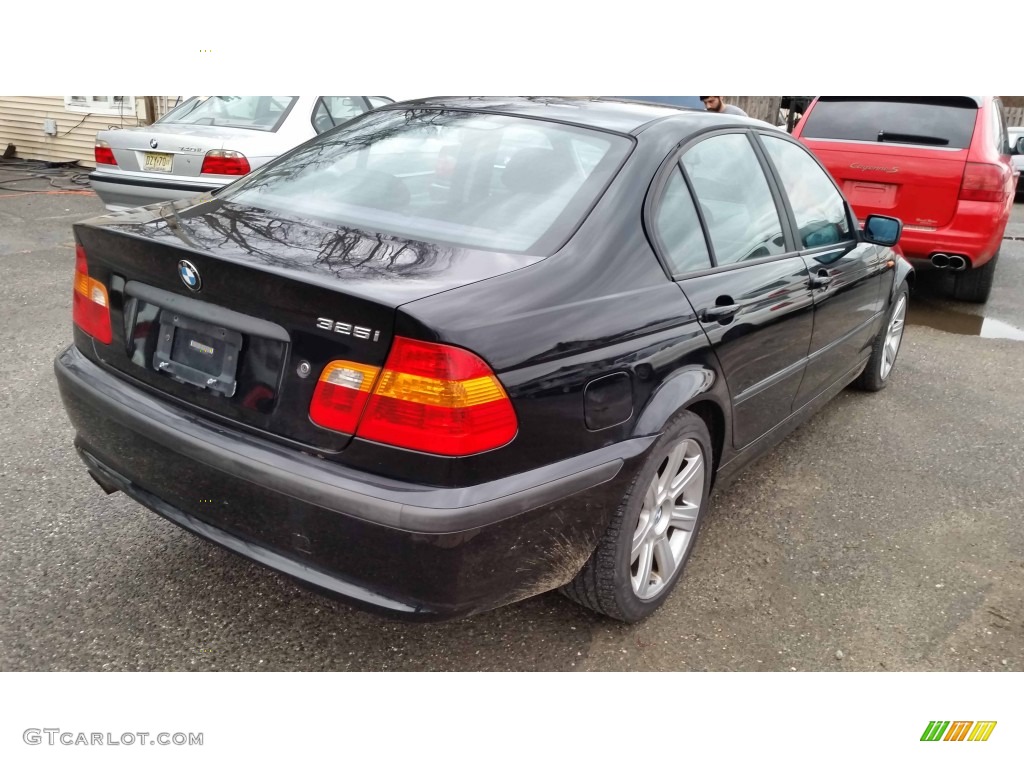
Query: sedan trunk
235,312
175,150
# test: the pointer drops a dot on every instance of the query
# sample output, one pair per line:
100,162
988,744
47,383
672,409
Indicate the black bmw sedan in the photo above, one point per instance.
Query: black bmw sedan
463,351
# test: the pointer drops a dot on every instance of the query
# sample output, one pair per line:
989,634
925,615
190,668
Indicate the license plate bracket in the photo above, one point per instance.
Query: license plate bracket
867,193
198,353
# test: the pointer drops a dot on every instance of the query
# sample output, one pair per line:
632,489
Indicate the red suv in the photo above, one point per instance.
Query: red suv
941,164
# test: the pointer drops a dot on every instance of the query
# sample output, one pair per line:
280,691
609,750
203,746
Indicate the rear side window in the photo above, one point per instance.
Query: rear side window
470,179
679,228
343,108
335,110
938,122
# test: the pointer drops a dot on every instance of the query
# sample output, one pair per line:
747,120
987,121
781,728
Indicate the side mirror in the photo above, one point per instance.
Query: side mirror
882,230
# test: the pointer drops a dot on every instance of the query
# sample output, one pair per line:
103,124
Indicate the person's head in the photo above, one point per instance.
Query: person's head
712,103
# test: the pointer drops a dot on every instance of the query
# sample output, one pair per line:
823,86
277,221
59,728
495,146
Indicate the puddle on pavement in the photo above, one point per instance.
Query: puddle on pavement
951,321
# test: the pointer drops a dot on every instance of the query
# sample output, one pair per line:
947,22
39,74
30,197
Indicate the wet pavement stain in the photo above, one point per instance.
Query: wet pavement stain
962,323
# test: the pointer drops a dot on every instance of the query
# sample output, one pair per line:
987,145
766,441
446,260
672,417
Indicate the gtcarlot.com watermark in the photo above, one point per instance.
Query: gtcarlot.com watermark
55,736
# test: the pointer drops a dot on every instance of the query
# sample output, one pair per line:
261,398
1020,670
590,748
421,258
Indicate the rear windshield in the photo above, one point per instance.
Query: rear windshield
462,178
943,122
260,113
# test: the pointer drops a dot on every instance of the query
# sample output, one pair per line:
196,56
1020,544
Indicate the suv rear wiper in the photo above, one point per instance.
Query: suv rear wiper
913,138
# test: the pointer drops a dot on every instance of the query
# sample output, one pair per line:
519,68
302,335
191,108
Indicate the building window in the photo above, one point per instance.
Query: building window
101,105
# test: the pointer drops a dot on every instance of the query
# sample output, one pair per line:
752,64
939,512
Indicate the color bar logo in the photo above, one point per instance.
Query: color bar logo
958,730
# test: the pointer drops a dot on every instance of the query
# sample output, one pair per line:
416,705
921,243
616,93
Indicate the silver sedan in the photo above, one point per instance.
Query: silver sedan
209,141
1016,133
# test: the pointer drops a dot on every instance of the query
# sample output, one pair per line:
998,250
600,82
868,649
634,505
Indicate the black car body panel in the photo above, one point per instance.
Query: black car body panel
596,346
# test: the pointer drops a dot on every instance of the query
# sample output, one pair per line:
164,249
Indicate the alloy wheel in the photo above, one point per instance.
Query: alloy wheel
668,519
893,336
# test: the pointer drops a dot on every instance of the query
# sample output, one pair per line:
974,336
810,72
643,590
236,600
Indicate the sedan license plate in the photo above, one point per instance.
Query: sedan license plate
157,161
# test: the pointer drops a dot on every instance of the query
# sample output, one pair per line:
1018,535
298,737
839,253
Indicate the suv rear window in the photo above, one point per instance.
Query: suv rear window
471,179
936,122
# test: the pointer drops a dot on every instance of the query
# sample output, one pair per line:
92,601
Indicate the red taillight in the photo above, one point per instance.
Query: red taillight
983,183
91,308
104,154
429,397
225,162
341,395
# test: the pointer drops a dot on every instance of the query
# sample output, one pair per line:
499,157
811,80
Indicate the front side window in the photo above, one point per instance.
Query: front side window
261,113
734,197
819,209
478,180
679,228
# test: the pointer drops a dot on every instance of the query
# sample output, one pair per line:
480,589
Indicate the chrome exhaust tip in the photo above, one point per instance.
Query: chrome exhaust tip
957,263
940,260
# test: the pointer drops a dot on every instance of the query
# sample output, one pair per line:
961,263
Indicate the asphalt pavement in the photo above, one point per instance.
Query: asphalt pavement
884,534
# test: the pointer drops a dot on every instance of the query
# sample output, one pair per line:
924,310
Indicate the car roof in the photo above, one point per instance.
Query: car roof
609,114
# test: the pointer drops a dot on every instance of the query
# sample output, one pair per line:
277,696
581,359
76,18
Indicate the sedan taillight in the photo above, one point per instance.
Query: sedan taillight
103,153
91,305
341,395
428,397
225,162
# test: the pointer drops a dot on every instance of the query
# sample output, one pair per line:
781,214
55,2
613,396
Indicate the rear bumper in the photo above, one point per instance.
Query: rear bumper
121,192
976,232
411,551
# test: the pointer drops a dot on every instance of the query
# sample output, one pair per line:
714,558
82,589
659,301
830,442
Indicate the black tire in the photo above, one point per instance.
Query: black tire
875,376
605,583
975,285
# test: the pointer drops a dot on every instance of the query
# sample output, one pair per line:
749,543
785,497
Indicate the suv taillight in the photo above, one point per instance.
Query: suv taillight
103,153
91,308
428,397
225,162
983,183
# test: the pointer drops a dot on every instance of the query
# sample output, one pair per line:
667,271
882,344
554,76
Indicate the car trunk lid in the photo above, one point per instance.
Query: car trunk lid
173,150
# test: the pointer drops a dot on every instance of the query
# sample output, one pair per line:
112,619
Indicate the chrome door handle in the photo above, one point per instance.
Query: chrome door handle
821,280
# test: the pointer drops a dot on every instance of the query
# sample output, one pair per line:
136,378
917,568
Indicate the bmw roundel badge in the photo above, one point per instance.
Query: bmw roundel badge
189,275
153,144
